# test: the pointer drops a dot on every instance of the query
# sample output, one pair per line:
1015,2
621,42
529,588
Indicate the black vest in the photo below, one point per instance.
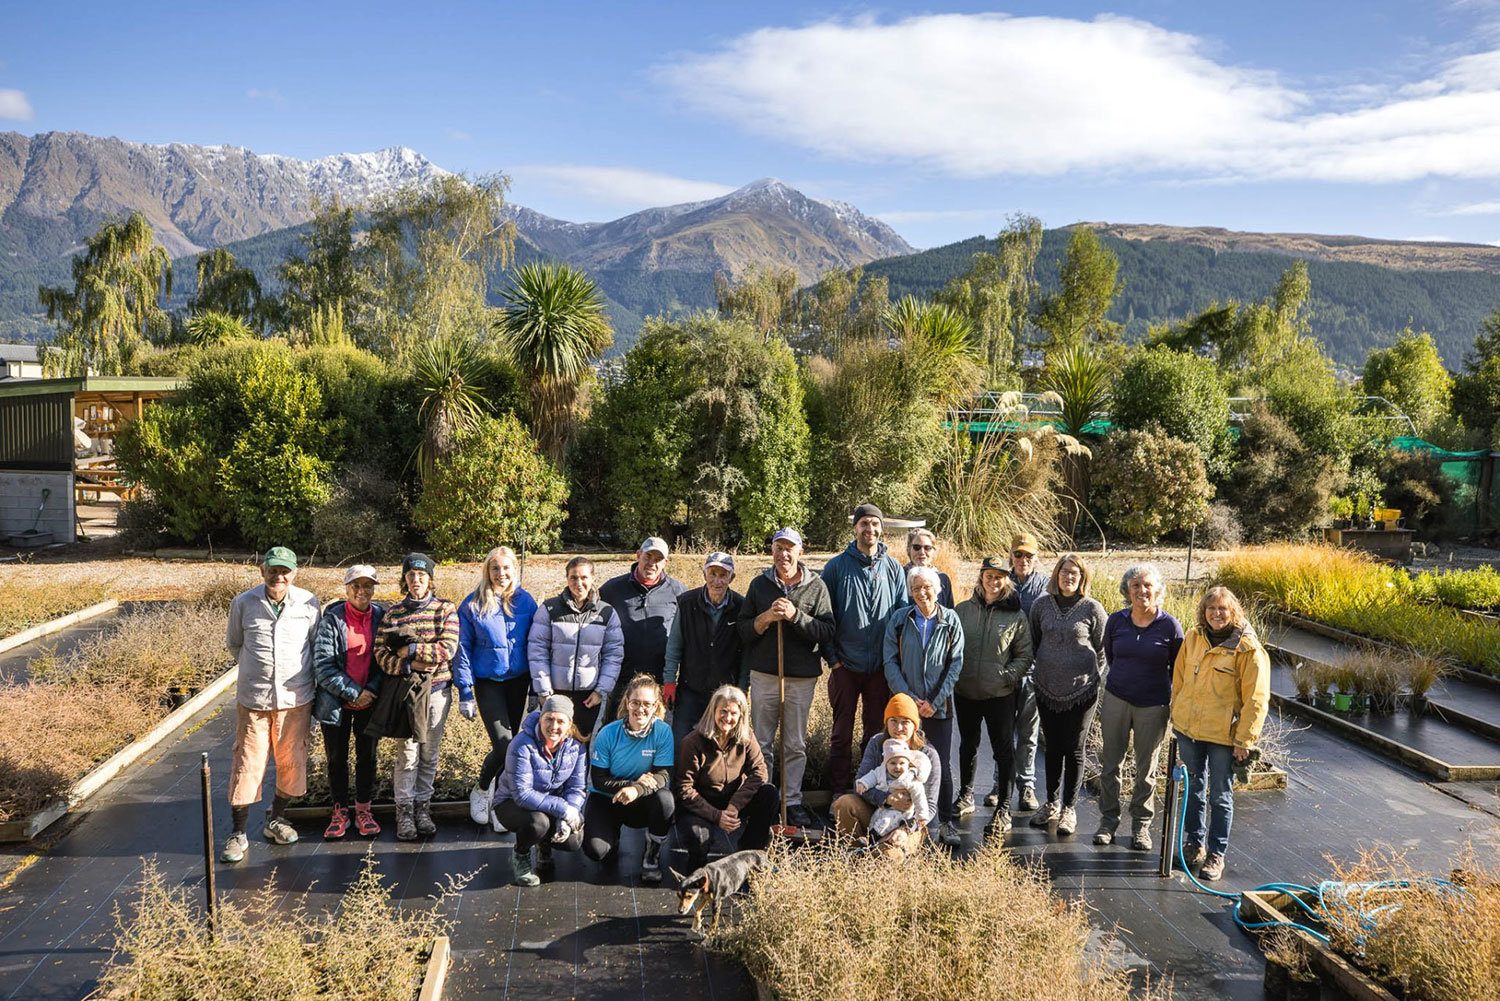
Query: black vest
710,654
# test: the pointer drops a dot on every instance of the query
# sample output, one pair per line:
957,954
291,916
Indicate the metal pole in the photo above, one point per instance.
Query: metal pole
1192,538
781,718
208,852
1169,815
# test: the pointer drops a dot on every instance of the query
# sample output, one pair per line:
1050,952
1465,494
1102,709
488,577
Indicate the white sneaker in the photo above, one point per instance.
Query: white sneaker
479,804
1046,813
1067,821
494,819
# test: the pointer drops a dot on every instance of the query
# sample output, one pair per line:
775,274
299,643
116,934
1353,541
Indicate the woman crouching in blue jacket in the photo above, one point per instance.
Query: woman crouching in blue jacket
491,667
541,793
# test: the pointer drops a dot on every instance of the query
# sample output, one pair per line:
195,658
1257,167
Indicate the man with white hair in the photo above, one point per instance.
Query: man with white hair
645,598
703,648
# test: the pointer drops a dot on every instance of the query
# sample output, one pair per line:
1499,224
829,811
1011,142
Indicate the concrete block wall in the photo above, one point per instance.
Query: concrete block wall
21,495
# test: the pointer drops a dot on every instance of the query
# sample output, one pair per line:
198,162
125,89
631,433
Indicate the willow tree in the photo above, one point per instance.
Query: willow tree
1089,280
226,288
996,294
554,326
114,306
429,252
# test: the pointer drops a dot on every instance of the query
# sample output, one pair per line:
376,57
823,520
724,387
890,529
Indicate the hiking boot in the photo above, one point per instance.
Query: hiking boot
278,830
1045,814
235,848
479,804
800,816
1067,823
1141,839
992,798
964,805
521,862
999,824
651,860
1104,836
1028,799
406,822
425,826
544,861
949,834
338,824
1213,868
364,821
1192,856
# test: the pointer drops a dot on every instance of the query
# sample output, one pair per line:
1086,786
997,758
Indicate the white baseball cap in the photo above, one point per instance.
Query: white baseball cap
359,570
655,545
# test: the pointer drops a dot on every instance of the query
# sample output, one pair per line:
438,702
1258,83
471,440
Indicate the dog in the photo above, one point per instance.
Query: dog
709,885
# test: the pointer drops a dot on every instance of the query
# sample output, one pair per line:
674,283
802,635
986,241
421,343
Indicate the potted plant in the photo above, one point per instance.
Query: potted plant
1322,687
1304,677
1423,670
1344,680
1341,509
1385,683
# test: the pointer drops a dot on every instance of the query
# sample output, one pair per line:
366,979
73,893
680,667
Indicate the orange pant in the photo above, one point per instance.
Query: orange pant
262,734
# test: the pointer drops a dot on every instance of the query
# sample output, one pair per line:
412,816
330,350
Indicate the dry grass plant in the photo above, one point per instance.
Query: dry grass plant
983,493
367,950
981,926
24,604
1436,944
152,648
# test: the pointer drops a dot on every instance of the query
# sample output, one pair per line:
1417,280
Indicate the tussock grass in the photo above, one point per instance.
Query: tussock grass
79,709
1477,588
368,950
984,493
1436,944
824,924
24,604
1352,591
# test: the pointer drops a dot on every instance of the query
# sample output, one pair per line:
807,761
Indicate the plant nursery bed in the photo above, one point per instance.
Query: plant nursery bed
1353,982
1425,742
111,769
57,625
1468,672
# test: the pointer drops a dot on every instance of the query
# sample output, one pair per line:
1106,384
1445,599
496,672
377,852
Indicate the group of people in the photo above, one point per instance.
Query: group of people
1025,653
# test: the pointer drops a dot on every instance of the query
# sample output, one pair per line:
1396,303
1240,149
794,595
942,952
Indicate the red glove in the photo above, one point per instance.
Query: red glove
669,694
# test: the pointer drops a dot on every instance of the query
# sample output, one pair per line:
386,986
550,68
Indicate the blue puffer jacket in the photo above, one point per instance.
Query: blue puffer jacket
556,786
330,655
929,672
864,591
575,647
492,647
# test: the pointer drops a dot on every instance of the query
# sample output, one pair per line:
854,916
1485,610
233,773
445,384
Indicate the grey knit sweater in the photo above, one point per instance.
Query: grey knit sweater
1069,652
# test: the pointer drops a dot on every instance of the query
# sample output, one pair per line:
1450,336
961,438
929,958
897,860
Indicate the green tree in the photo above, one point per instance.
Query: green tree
997,292
1090,281
1148,484
1250,341
493,484
1081,382
211,327
1280,486
1410,374
227,289
1182,395
324,275
554,327
113,308
843,305
428,253
938,342
768,299
449,372
1476,390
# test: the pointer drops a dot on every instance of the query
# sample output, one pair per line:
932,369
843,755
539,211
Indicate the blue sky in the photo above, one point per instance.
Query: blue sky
1381,119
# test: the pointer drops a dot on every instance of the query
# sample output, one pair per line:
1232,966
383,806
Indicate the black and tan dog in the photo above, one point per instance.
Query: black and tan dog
707,887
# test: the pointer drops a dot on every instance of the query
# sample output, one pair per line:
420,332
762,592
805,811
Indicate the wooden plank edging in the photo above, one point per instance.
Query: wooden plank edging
436,975
1354,982
106,771
58,624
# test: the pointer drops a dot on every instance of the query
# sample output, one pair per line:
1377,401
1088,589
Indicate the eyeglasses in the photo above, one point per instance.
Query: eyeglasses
923,549
646,706
1018,555
362,587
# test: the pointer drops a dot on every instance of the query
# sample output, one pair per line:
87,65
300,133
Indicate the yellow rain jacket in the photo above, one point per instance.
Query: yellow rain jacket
1220,693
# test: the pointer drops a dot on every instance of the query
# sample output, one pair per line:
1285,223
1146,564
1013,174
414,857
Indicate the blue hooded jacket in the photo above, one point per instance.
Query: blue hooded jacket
556,786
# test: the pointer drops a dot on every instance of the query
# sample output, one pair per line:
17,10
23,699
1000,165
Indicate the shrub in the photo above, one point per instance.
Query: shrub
1280,486
1221,529
1414,484
494,486
367,949
974,927
1182,395
360,519
1147,484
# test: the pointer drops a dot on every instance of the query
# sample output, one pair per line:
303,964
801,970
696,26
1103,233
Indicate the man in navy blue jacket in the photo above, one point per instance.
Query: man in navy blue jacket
645,597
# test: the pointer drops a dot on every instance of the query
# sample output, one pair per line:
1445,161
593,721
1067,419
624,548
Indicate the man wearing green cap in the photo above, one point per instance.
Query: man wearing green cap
270,635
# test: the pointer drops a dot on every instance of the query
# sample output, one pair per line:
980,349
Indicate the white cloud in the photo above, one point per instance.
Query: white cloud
266,94
459,135
613,186
987,95
1474,208
13,105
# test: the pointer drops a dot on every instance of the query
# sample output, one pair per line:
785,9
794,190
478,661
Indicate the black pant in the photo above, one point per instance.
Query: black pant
502,704
689,710
998,716
584,717
695,834
939,734
336,750
535,827
1066,733
603,818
